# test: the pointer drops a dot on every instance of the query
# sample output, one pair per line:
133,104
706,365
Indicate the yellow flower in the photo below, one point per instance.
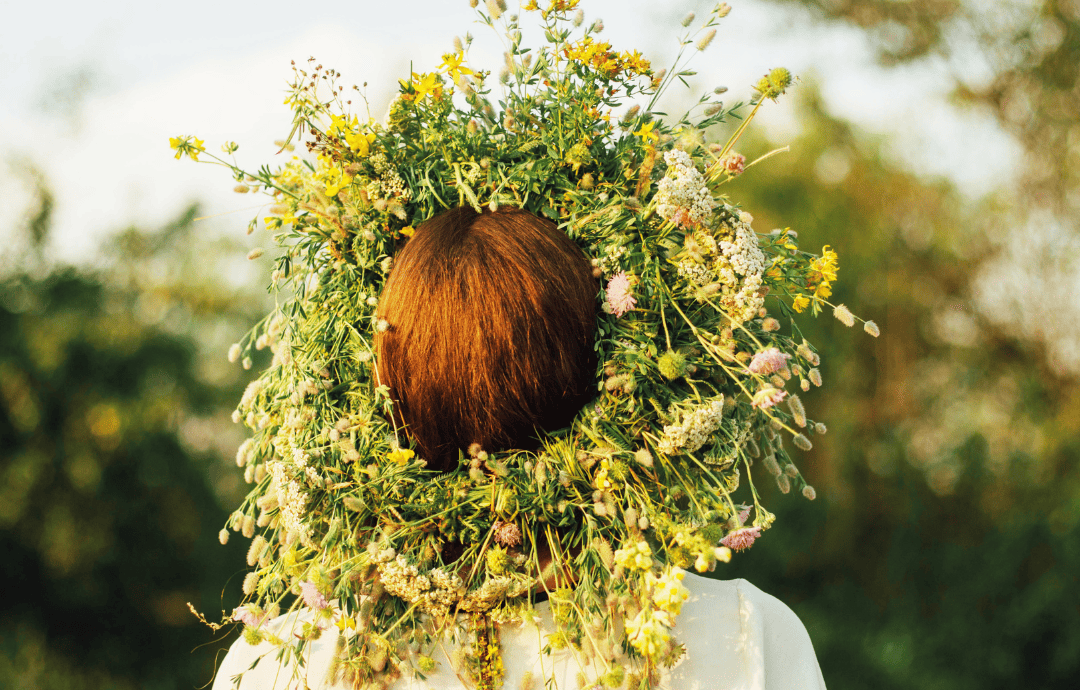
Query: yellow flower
408,230
336,180
340,124
346,622
187,146
801,302
400,456
422,85
452,65
826,264
646,132
360,143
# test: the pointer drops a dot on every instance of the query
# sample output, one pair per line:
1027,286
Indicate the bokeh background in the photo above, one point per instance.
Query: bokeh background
935,144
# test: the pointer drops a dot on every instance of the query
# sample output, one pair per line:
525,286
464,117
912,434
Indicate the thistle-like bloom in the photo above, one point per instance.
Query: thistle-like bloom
619,298
313,598
768,361
741,539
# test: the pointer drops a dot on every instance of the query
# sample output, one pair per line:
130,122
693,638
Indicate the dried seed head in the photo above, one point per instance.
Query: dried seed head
820,428
688,19
783,483
802,442
844,315
797,410
223,537
705,40
872,328
251,581
809,493
256,253
234,353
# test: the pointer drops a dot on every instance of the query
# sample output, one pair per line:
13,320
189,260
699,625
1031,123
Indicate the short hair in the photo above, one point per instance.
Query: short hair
492,321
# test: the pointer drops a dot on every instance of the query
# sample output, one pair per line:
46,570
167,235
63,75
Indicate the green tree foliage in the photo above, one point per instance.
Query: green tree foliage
942,550
112,488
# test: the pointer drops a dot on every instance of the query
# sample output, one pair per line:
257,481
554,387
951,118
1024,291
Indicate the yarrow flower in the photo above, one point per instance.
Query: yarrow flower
741,539
619,298
695,429
768,361
682,195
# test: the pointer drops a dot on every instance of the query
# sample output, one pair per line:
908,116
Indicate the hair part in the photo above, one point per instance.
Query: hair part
492,318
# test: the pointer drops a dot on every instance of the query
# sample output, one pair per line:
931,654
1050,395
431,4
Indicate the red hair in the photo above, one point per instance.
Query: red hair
492,318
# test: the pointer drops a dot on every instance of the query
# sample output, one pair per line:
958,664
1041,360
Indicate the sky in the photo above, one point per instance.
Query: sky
93,91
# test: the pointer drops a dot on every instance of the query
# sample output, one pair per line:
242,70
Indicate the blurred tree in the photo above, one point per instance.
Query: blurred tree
114,427
942,550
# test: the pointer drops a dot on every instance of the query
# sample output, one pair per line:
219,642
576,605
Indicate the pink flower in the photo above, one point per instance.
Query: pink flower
619,298
768,361
742,538
767,397
743,515
682,218
248,615
507,533
312,596
734,163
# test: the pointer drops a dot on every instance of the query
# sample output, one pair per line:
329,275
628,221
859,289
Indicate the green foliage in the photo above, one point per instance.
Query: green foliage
107,512
944,554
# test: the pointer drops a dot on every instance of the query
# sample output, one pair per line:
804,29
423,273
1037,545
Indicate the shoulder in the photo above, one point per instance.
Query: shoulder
753,639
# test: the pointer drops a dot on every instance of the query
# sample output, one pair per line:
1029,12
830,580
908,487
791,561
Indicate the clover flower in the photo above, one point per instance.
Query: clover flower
734,163
619,298
768,361
767,396
668,590
506,533
313,598
649,631
635,557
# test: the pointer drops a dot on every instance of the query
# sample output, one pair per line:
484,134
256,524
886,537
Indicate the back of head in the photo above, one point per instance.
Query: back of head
492,317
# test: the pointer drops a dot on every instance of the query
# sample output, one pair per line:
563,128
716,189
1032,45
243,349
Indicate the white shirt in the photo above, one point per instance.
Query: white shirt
736,636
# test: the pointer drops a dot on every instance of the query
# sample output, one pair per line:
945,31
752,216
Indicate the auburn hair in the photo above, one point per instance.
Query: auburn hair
491,326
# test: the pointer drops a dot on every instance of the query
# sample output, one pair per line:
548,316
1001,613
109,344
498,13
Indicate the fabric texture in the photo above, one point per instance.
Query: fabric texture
737,638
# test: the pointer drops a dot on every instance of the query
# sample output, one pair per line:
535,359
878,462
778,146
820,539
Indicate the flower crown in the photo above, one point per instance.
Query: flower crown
693,382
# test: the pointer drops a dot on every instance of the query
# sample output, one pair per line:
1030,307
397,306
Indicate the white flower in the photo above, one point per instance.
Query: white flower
696,429
682,195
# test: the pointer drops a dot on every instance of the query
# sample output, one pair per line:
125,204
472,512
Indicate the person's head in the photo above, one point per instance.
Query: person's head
492,318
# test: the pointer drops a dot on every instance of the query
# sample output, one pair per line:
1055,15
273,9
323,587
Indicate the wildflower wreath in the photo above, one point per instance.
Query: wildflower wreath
345,518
